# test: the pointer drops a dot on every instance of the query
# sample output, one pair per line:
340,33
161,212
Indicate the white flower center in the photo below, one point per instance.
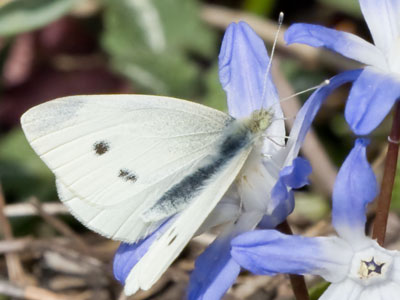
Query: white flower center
369,269
371,265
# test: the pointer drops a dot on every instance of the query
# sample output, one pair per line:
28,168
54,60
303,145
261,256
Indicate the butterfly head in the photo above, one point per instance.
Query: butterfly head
259,121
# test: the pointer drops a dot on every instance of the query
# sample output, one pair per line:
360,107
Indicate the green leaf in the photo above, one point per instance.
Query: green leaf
15,148
396,190
152,42
348,6
167,74
2,297
215,96
24,15
317,290
259,7
301,79
22,172
312,206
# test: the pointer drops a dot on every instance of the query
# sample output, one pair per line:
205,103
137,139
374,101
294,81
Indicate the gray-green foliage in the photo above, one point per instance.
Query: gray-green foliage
21,171
151,42
317,290
259,7
215,96
349,6
24,15
396,189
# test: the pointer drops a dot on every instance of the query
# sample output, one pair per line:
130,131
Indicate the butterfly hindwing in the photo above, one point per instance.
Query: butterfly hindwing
166,248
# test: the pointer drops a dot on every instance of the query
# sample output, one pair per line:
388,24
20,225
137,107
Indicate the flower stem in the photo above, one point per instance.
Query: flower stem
385,196
298,283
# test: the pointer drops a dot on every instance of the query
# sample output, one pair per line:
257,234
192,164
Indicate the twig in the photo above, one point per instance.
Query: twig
221,17
249,285
60,226
14,266
324,172
297,281
15,245
389,174
28,292
100,251
26,209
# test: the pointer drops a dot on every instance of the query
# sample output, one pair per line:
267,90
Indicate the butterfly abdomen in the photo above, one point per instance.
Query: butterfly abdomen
236,137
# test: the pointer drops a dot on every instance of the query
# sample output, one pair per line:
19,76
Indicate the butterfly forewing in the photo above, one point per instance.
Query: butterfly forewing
117,155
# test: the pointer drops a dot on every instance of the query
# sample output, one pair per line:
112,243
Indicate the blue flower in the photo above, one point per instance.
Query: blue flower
378,87
262,194
243,63
355,264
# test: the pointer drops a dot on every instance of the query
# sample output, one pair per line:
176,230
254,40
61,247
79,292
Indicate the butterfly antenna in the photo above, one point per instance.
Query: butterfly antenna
276,136
280,22
324,83
275,142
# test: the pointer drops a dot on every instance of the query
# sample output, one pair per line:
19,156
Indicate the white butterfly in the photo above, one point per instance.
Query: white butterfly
126,163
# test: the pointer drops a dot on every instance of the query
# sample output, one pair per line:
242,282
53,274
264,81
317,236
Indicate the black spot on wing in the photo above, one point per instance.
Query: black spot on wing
101,147
172,240
127,175
172,231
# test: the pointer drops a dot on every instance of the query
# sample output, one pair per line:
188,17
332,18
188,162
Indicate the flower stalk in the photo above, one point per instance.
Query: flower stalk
297,281
385,196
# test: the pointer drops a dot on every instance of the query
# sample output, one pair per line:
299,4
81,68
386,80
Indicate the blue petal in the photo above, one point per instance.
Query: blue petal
354,188
128,255
243,62
279,213
282,201
293,176
383,21
371,99
296,175
269,252
279,193
347,44
308,111
215,271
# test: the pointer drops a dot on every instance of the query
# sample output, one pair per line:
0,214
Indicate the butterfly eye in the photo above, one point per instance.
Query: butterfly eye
101,147
127,175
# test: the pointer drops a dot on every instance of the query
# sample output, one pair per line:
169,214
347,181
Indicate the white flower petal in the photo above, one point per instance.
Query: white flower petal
396,268
389,291
371,293
345,290
394,57
345,43
255,183
382,17
227,210
337,250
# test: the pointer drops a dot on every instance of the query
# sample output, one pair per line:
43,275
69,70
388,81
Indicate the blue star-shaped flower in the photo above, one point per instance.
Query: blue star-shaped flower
378,87
355,264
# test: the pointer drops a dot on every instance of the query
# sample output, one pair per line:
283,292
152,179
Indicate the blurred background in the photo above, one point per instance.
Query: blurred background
54,48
